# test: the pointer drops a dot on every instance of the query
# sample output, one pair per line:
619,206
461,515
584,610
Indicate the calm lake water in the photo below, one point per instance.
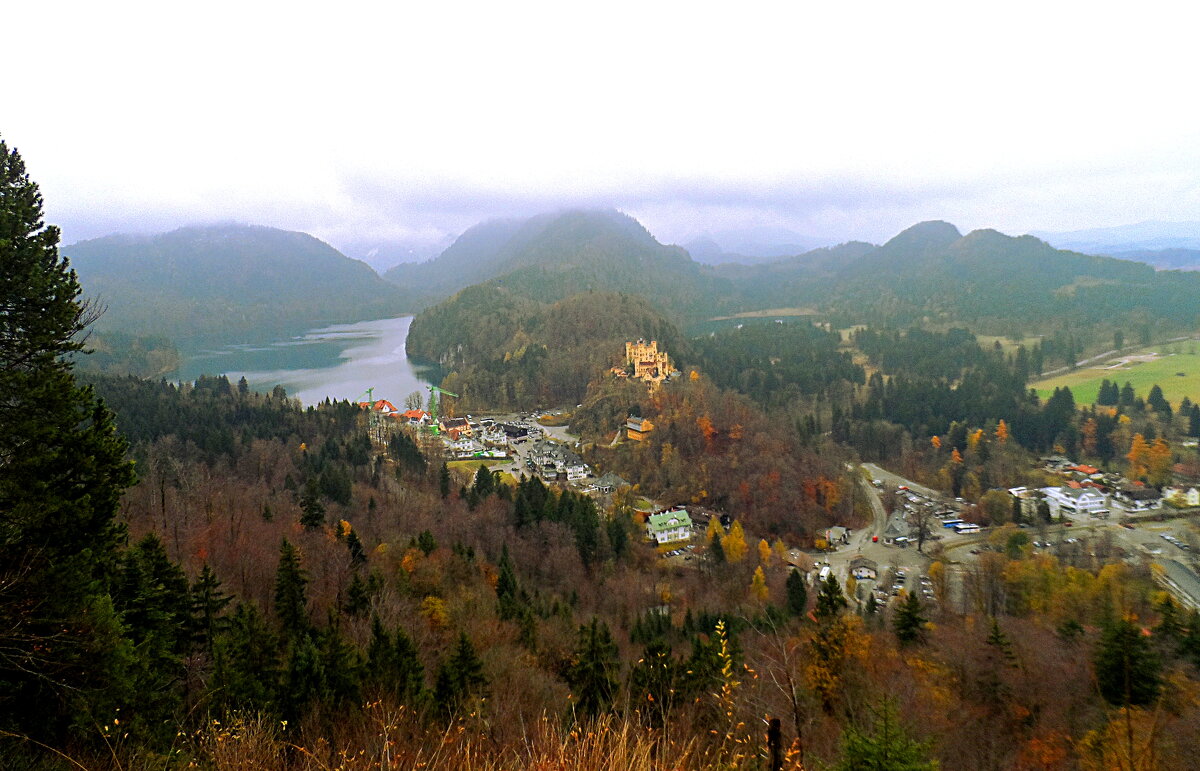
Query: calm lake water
339,362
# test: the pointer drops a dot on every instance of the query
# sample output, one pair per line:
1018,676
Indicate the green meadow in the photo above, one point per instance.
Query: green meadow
1177,372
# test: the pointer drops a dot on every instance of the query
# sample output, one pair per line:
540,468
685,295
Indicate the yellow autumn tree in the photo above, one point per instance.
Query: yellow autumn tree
764,552
956,456
758,585
433,610
936,441
780,551
974,438
1002,432
735,543
715,531
1138,456
1158,463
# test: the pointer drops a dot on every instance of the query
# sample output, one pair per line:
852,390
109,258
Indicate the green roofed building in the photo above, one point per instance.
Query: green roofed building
673,526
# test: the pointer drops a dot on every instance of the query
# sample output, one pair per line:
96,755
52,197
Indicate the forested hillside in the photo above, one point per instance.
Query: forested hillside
555,255
503,350
931,274
227,282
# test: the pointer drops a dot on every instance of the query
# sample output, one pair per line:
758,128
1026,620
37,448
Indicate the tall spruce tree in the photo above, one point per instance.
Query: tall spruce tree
62,472
592,673
208,608
797,593
1128,671
910,621
291,603
883,746
459,677
830,600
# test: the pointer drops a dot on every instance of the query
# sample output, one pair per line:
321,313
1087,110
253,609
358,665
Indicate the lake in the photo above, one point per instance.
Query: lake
339,362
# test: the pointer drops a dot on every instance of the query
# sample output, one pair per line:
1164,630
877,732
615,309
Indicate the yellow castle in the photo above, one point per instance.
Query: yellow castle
649,364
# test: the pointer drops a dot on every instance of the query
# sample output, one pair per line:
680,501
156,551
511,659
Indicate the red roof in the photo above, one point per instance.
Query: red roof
1082,469
415,415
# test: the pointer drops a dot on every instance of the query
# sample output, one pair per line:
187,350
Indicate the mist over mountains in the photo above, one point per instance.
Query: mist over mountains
233,281
1165,245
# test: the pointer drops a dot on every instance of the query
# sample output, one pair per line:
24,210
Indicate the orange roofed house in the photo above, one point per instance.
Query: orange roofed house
637,428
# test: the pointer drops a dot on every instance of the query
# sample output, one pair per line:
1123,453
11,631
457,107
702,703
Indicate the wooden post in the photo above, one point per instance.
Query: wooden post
774,745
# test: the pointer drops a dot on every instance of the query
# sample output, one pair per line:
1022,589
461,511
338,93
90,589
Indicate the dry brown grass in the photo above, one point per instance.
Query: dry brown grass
395,742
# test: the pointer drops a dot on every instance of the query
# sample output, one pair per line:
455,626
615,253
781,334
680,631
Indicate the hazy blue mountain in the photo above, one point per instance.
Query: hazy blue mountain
749,246
473,257
930,273
1141,236
558,254
1163,259
227,281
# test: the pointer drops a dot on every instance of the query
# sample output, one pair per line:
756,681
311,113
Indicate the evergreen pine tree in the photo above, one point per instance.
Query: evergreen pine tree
208,609
797,593
426,542
654,684
358,597
830,600
291,604
883,746
716,552
592,673
62,473
358,554
459,677
246,663
341,666
312,512
909,622
444,481
1127,668
484,484
508,591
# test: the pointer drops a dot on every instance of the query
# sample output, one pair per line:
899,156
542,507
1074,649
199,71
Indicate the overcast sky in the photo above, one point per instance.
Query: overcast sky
359,121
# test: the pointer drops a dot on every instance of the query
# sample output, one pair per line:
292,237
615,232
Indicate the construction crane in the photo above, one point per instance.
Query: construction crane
434,399
370,394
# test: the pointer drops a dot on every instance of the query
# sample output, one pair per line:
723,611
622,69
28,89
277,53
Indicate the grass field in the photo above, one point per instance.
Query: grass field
1177,372
473,467
768,313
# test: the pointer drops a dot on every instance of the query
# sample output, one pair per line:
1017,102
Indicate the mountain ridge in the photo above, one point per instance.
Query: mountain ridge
202,281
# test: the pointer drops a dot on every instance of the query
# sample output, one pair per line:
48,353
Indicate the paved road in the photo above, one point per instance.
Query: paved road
895,480
880,514
1184,582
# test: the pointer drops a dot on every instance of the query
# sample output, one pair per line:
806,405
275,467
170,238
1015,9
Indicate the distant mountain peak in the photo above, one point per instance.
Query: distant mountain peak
931,233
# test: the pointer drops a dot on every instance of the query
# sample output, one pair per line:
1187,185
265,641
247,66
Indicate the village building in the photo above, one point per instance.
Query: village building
1184,496
553,462
638,428
610,483
1077,500
456,427
666,527
863,569
897,531
414,417
1137,498
837,535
